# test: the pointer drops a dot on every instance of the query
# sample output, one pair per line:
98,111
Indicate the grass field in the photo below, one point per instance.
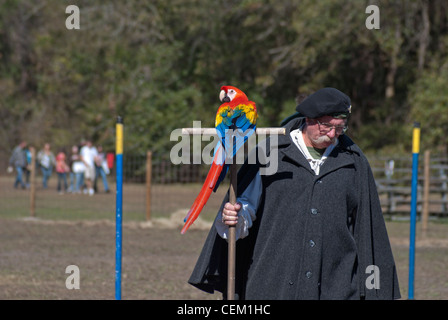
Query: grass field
165,199
157,261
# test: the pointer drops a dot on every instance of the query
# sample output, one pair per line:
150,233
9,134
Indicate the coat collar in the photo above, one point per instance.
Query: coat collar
341,155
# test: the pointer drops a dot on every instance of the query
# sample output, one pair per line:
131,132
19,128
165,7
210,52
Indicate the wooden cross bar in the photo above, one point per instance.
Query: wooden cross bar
232,199
212,131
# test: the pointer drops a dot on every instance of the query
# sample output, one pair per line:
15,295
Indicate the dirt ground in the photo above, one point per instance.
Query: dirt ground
157,259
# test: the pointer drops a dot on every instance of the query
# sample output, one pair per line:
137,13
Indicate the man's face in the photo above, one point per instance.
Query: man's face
323,132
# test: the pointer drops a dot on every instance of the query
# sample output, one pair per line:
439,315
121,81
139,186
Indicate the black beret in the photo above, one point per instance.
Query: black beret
325,102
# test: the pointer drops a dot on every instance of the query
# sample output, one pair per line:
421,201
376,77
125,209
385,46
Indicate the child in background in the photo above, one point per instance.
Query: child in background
61,169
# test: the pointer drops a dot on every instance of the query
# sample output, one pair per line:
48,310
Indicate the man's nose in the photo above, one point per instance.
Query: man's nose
332,133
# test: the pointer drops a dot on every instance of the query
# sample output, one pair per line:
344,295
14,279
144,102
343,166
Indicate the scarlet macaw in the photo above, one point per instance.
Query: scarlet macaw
236,119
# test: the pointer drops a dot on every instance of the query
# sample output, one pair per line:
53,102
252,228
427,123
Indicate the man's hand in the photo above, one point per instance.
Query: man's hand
230,213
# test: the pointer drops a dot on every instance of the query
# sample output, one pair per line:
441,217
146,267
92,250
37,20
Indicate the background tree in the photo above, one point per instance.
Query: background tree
160,65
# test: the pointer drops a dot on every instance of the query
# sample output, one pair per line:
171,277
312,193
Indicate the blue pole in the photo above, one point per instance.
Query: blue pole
415,153
118,206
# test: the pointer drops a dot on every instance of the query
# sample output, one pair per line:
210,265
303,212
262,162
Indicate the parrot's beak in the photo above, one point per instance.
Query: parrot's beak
223,96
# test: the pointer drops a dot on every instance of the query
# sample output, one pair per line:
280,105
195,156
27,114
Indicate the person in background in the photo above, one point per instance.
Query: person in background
46,161
101,169
88,154
62,169
82,186
77,168
19,162
29,160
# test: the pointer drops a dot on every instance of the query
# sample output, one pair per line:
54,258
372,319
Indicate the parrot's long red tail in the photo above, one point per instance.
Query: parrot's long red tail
204,194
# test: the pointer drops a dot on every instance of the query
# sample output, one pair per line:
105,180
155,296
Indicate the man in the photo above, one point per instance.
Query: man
312,230
88,154
19,162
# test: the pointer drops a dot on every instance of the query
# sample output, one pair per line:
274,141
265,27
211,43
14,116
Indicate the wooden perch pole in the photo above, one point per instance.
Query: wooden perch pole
231,254
212,131
231,260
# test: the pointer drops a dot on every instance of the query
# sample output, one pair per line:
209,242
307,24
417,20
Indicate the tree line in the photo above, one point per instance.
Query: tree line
160,64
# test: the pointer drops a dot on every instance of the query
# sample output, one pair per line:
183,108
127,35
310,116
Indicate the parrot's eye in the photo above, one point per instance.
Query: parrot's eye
231,94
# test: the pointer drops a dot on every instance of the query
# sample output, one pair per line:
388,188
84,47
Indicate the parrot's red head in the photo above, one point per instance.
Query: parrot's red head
232,94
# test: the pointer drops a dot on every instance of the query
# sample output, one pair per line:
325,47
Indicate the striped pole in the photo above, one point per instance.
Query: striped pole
118,205
415,153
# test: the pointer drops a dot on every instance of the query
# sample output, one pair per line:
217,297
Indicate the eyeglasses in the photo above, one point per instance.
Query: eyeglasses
327,127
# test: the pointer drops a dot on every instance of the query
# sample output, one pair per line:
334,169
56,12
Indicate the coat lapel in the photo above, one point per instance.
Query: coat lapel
288,151
338,158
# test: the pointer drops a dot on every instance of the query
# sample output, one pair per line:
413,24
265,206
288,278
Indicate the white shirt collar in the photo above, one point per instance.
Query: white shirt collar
315,164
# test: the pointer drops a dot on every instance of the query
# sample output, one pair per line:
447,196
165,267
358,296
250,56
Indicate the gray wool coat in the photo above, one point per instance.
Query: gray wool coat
315,237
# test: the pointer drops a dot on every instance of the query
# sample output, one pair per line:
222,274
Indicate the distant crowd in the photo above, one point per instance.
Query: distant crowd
77,172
